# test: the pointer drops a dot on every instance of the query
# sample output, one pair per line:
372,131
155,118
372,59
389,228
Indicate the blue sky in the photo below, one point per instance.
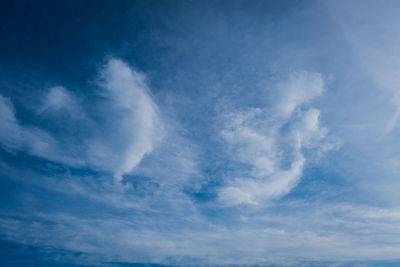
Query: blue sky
203,133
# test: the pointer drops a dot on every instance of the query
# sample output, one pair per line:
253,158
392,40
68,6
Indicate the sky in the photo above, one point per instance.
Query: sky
199,133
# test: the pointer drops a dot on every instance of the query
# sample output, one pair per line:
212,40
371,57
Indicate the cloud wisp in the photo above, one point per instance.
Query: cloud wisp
270,141
135,120
29,139
116,143
257,241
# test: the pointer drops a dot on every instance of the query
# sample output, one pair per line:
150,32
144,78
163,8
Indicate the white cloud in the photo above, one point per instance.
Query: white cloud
314,232
58,98
32,140
270,142
138,120
116,143
299,89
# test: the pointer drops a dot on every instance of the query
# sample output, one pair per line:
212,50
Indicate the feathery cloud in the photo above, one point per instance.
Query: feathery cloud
270,142
116,144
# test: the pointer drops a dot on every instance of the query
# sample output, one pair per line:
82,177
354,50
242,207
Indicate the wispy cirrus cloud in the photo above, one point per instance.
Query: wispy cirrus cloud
270,141
117,142
135,124
32,140
320,234
59,99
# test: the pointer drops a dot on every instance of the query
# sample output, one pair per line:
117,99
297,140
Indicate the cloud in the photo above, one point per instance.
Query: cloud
269,142
299,89
117,142
59,98
136,119
10,134
32,140
310,232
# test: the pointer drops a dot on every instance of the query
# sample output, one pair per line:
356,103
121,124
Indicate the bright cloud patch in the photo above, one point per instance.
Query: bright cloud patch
134,118
270,141
129,129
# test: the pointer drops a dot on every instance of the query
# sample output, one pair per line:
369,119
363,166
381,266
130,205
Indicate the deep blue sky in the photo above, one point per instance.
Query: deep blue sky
152,133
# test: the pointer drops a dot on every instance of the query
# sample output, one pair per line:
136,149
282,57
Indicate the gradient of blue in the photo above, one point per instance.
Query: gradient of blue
183,47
